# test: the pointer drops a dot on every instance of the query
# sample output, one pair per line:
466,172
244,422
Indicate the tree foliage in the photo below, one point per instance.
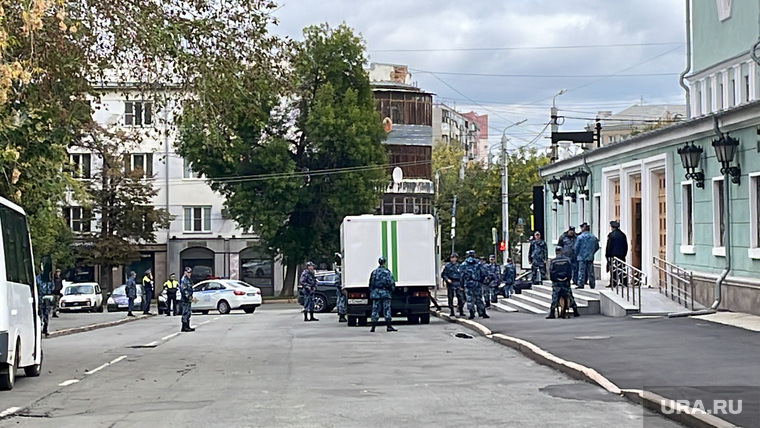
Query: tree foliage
479,197
309,161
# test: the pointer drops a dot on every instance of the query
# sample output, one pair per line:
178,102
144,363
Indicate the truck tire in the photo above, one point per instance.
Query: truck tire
363,321
413,319
424,319
352,321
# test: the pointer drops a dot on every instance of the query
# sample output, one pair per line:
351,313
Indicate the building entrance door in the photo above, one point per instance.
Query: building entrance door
636,234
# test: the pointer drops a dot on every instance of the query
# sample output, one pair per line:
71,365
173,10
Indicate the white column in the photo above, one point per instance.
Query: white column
694,107
726,88
752,73
703,102
714,93
737,70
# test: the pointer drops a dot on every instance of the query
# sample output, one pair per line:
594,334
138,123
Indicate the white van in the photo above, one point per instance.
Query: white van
20,327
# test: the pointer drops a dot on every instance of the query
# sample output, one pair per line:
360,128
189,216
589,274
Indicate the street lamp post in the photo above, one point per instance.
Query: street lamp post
504,191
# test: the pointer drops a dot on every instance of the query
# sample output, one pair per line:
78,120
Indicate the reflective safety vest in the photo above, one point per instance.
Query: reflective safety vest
171,285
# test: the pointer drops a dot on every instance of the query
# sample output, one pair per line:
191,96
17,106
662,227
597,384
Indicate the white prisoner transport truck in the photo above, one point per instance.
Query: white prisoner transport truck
407,242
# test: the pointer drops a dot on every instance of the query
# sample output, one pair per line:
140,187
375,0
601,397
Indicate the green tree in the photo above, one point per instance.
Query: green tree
479,197
121,202
309,163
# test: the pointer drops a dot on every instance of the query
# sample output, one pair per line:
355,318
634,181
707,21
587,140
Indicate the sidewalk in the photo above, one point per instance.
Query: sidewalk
76,322
676,356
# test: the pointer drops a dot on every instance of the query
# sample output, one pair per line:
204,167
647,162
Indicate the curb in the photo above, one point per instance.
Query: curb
265,301
646,399
91,327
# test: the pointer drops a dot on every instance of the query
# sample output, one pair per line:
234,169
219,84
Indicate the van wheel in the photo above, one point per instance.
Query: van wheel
35,370
363,321
100,308
413,319
424,319
224,307
8,371
352,321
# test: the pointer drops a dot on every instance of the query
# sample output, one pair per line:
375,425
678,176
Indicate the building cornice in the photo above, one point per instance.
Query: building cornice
701,127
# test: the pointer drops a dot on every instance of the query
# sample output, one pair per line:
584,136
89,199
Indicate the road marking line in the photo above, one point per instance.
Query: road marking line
204,322
105,365
151,344
217,318
9,411
170,336
68,382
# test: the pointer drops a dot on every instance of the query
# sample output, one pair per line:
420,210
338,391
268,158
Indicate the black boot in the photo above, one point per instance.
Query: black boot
305,316
551,311
311,317
472,315
185,327
374,324
45,330
389,326
485,315
575,311
342,318
461,312
451,314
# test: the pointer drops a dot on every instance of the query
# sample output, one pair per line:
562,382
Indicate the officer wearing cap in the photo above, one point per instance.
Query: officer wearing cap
567,243
452,276
617,247
381,286
492,282
171,286
586,247
308,285
473,276
186,294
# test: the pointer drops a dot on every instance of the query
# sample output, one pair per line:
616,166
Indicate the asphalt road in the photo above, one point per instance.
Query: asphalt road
270,369
679,358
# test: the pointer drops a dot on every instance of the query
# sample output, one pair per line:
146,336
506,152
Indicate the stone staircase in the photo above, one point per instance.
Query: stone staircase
539,299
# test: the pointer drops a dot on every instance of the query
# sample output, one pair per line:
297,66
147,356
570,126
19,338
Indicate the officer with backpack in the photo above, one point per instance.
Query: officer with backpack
561,272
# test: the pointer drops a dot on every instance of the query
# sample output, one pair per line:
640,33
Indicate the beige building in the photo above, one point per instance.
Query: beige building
635,120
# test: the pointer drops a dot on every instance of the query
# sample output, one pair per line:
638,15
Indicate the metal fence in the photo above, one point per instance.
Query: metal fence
675,283
627,281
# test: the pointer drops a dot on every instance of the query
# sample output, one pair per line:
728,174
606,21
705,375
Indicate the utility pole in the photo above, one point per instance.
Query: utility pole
555,125
505,190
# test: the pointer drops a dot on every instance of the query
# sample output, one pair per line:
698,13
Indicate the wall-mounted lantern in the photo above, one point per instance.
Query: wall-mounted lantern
581,179
554,187
725,150
690,157
568,182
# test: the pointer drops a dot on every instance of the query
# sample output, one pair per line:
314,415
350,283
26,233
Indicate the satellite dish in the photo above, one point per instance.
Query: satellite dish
397,175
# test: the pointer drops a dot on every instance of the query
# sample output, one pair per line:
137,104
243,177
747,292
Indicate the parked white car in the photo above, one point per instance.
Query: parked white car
83,296
225,295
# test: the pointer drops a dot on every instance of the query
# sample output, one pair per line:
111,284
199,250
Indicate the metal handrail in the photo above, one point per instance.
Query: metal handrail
627,281
675,282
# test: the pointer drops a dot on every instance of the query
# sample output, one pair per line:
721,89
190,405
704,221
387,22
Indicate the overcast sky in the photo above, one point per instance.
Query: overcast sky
538,47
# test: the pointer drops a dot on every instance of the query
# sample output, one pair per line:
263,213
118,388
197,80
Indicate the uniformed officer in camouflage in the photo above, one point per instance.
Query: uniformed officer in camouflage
561,273
538,254
130,289
493,271
381,286
342,303
567,242
473,276
308,285
44,302
453,278
186,294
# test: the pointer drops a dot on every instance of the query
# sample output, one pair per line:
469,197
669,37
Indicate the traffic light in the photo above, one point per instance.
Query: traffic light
502,246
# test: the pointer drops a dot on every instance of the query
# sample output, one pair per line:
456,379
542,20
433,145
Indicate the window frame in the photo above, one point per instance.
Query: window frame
147,164
138,113
187,171
718,187
687,212
79,169
754,216
17,247
189,222
84,219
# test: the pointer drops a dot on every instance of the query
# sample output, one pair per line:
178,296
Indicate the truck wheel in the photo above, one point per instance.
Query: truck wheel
35,370
424,319
363,321
413,319
8,372
352,321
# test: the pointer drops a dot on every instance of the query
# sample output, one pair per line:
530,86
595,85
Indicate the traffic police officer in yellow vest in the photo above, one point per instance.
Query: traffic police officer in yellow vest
171,286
